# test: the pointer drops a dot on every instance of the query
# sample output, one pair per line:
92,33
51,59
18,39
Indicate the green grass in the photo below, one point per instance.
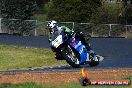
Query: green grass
69,85
12,57
129,35
23,85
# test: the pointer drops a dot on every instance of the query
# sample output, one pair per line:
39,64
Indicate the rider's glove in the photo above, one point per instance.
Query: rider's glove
73,33
49,40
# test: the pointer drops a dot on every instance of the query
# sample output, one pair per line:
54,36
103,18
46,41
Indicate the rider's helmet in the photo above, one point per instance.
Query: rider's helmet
52,24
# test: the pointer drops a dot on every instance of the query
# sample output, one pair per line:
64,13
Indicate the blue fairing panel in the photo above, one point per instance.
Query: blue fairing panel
81,49
83,53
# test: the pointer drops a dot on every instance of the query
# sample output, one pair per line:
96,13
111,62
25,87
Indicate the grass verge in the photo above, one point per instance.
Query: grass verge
70,85
12,57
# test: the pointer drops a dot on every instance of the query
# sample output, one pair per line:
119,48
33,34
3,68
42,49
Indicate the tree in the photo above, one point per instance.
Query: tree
19,9
40,4
127,12
71,10
107,14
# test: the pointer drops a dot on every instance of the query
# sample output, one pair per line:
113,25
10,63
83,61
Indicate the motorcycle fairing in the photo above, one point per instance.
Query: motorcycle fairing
57,39
81,49
57,42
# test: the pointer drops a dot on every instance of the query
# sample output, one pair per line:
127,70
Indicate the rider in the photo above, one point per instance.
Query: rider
54,27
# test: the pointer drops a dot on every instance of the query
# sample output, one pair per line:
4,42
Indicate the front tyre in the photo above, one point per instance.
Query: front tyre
94,61
71,58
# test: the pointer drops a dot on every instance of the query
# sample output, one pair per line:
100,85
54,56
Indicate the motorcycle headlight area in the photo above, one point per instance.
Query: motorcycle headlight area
57,42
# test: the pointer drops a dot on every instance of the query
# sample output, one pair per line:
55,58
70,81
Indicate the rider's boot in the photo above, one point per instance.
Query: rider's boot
83,38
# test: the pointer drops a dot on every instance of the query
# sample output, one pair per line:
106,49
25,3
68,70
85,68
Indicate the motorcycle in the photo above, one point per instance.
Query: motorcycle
73,51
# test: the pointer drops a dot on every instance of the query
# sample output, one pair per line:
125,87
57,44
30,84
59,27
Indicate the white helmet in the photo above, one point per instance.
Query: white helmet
52,24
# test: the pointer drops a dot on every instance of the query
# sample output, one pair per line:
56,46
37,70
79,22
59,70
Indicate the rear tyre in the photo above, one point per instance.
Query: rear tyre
71,58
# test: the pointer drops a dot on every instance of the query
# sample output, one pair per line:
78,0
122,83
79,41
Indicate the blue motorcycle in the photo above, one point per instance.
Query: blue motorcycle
73,51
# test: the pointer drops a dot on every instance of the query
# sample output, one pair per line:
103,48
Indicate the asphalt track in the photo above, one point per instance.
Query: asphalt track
116,51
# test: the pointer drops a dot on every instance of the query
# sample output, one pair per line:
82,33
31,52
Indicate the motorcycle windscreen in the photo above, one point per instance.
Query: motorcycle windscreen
81,49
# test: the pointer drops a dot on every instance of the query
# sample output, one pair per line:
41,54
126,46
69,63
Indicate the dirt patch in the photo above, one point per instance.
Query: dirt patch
63,77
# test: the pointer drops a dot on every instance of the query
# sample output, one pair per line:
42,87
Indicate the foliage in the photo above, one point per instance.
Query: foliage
40,17
21,27
106,14
71,10
19,9
40,6
65,10
126,14
129,14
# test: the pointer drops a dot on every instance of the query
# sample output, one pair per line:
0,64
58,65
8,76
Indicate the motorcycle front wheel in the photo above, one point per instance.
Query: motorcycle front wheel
94,62
71,57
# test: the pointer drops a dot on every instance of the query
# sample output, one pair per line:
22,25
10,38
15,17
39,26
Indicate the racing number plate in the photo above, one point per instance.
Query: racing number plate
58,41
